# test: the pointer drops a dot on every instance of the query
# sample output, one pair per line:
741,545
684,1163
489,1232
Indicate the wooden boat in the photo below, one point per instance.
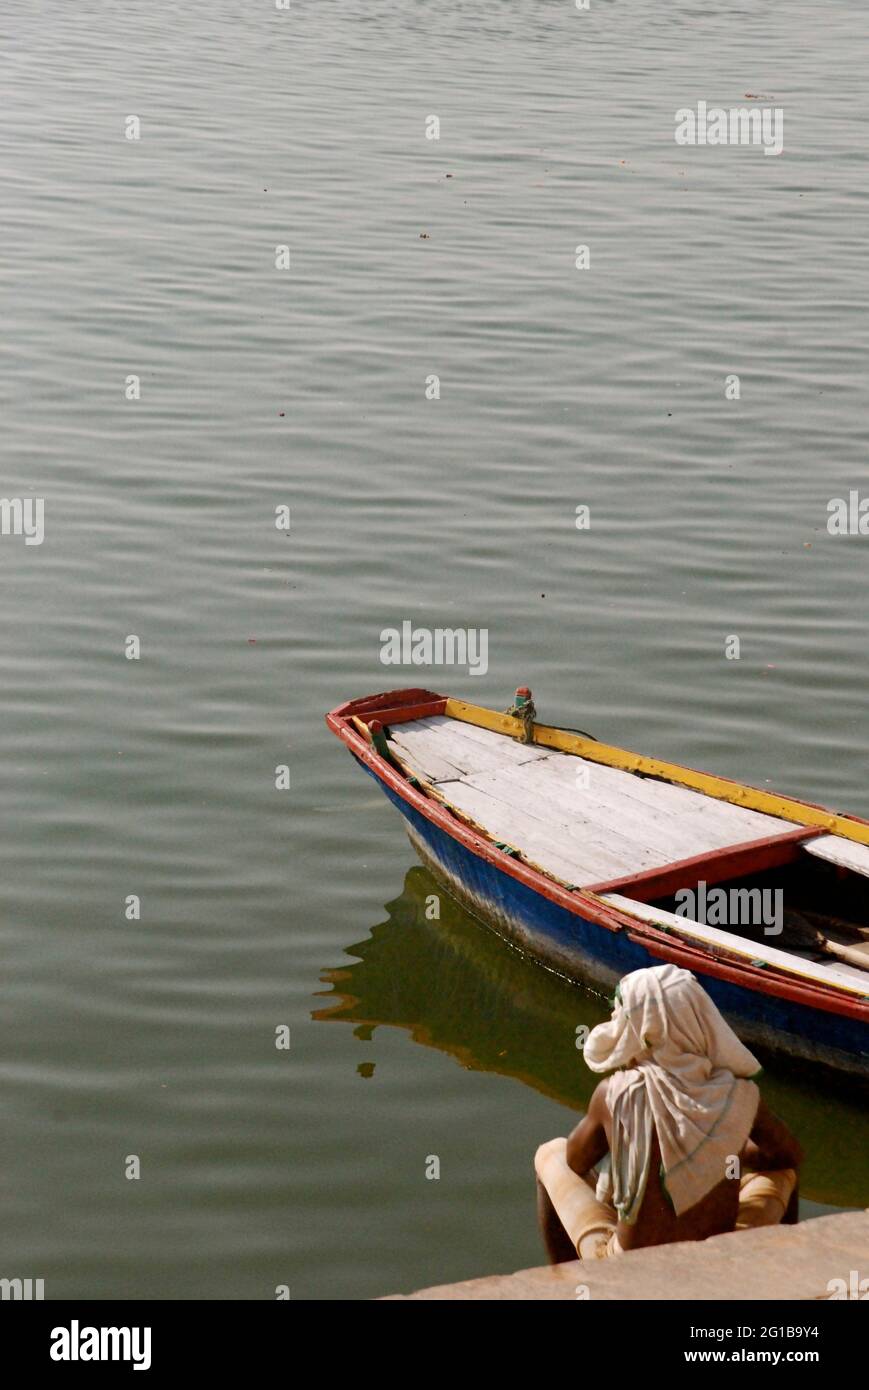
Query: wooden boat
578,852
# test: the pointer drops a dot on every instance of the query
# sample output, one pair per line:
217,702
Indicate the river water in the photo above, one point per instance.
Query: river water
261,387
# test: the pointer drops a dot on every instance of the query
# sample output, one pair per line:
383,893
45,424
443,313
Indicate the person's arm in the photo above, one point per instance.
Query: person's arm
587,1143
771,1144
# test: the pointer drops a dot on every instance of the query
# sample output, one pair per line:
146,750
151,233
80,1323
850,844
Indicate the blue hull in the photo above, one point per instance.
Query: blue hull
581,950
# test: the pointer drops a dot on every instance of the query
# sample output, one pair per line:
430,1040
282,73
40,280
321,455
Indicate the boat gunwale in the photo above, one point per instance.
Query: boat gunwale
416,703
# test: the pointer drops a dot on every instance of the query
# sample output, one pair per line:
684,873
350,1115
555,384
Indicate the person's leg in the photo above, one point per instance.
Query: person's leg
557,1243
767,1198
586,1222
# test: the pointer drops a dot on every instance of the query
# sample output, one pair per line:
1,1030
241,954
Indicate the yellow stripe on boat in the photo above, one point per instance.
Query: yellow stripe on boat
718,787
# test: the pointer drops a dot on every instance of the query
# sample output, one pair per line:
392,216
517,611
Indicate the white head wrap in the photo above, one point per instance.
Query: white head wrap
680,1073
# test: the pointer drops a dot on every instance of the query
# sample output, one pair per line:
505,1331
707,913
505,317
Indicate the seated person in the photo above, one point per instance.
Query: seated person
677,1139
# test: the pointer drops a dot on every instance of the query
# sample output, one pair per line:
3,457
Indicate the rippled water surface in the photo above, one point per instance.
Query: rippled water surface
261,387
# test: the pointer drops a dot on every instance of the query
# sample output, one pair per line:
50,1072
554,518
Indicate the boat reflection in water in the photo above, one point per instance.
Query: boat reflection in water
456,986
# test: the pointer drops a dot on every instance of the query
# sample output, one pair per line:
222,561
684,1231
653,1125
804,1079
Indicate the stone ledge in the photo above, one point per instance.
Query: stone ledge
779,1262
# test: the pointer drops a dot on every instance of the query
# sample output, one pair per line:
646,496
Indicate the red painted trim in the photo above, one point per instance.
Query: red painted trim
577,901
403,714
762,980
389,699
734,861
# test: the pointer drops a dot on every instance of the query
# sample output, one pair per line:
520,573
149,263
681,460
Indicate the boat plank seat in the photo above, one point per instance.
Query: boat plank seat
796,963
844,853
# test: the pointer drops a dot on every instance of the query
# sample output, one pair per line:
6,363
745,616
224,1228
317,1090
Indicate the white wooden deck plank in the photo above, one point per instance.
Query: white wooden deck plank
754,950
619,824
576,846
579,855
654,842
683,815
666,838
459,735
568,820
421,741
677,836
846,853
427,764
540,853
838,967
727,823
439,759
663,799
